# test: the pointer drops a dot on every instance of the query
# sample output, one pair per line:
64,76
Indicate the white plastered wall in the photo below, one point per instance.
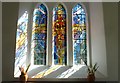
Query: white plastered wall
98,43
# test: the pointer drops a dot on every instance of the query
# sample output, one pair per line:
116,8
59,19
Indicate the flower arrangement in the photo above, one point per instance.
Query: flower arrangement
24,71
24,76
91,69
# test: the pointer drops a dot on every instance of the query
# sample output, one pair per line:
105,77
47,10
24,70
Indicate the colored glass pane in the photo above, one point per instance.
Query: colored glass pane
39,35
59,35
79,34
21,43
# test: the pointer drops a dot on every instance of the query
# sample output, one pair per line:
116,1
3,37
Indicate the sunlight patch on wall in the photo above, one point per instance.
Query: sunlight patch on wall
47,71
55,71
21,43
70,71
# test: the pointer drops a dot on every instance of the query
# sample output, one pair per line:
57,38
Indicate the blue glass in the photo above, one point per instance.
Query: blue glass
39,35
79,34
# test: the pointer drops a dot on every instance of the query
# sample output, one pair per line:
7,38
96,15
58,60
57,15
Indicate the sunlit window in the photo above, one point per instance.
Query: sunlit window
39,35
59,35
79,34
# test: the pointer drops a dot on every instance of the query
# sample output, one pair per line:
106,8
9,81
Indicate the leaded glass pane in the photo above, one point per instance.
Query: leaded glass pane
79,34
39,35
59,35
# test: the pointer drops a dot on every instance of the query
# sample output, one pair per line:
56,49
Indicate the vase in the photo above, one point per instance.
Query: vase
91,77
23,78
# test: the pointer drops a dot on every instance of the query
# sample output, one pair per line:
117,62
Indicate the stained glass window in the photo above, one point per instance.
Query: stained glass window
21,43
39,35
79,34
59,35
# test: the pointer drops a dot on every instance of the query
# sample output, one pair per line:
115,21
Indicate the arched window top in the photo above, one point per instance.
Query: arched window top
40,9
59,9
39,15
78,9
79,15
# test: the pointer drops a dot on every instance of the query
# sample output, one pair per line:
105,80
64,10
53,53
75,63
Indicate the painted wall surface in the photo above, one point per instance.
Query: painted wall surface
0,41
111,32
9,23
22,8
99,46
